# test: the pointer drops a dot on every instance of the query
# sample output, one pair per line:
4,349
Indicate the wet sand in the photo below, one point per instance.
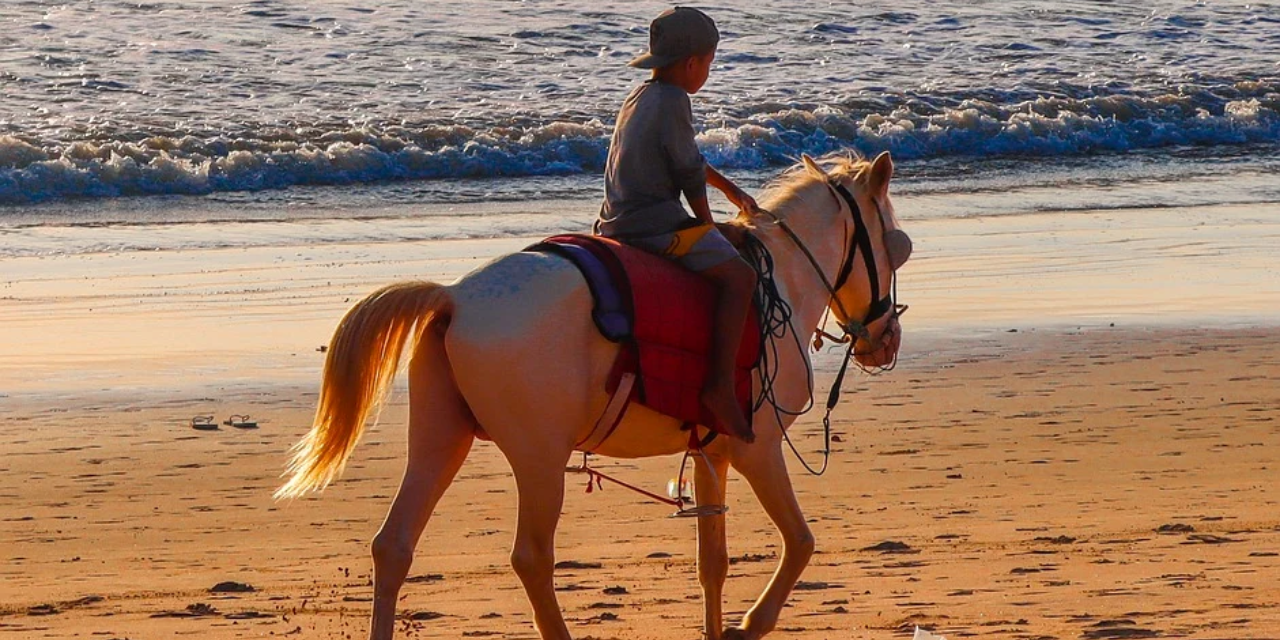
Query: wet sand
1072,447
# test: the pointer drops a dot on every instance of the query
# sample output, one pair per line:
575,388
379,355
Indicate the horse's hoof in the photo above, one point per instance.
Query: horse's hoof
734,633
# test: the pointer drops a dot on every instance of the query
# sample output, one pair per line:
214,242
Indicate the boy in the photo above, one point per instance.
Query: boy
653,159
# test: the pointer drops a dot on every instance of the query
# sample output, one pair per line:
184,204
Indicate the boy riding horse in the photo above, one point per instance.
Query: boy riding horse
653,159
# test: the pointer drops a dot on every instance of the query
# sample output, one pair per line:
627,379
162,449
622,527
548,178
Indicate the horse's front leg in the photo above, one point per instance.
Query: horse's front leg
764,467
713,555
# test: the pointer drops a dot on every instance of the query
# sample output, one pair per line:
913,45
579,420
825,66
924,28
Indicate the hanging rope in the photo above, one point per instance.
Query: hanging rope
775,323
680,501
594,477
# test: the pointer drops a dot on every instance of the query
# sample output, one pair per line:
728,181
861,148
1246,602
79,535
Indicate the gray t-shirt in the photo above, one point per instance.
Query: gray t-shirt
652,160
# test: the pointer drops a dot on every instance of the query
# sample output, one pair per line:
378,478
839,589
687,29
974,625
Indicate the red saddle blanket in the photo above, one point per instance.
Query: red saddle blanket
670,311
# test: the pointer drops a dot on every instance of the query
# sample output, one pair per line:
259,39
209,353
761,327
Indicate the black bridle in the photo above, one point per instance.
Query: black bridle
861,244
880,306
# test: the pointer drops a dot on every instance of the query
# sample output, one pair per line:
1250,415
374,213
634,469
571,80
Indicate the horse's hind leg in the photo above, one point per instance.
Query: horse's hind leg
441,430
540,482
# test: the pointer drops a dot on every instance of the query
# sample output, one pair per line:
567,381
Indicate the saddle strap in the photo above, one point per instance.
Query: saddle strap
612,416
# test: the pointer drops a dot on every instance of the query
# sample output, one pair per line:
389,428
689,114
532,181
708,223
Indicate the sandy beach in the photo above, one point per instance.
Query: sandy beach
1079,442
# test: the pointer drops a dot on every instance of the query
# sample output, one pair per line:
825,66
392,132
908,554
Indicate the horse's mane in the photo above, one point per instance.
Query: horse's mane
794,183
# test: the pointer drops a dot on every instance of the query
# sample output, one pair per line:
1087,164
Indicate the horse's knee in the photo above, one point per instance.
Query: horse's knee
531,563
390,551
802,546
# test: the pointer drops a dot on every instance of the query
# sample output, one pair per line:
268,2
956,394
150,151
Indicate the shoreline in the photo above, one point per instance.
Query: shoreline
245,315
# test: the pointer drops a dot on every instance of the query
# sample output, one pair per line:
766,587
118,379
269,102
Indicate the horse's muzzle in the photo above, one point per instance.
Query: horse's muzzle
885,351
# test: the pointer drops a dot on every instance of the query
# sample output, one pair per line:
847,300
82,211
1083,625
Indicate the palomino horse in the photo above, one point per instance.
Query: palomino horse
510,351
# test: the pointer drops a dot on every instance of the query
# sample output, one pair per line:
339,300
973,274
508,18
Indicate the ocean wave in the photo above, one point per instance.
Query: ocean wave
134,162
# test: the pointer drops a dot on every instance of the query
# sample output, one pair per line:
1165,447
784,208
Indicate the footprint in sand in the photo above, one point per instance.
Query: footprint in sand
1122,628
574,564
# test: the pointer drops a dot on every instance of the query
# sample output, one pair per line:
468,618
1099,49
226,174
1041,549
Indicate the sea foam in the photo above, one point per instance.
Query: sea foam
33,170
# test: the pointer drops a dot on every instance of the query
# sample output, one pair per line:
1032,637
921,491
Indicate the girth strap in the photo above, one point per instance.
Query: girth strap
612,415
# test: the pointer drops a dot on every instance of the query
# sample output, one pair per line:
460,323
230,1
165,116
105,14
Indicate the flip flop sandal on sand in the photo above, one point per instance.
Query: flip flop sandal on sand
204,423
240,422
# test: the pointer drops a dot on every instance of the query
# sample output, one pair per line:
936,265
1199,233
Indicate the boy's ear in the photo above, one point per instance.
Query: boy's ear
881,173
814,170
690,63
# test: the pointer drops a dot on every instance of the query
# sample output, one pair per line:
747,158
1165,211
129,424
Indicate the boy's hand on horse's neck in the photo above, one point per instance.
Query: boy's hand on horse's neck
702,209
735,194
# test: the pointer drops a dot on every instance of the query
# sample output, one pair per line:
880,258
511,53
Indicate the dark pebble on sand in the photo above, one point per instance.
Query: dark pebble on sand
890,546
231,587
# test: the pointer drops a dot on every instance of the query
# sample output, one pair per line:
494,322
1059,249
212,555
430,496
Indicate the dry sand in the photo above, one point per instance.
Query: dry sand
1049,482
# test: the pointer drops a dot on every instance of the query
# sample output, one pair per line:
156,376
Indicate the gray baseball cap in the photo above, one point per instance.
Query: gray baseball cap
677,34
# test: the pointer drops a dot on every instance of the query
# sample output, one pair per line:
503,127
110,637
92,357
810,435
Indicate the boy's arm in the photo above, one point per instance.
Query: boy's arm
736,195
701,208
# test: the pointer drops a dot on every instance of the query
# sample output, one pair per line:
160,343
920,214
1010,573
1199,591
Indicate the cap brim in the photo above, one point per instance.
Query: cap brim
650,61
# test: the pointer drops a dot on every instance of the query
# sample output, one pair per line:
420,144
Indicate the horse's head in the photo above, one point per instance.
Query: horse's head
873,246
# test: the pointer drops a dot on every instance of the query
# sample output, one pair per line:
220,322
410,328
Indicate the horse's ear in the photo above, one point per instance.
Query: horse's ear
812,165
881,173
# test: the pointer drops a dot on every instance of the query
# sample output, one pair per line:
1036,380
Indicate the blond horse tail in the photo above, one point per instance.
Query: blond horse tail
364,356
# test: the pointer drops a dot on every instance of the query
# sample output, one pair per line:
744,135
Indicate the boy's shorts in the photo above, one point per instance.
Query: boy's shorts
696,248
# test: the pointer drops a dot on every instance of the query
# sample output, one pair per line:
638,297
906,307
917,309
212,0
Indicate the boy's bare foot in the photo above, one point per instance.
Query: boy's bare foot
723,404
